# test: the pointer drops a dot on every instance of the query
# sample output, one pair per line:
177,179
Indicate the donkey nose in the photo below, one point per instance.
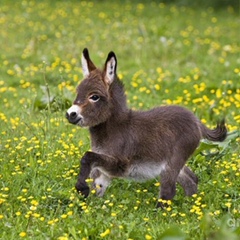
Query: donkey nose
71,116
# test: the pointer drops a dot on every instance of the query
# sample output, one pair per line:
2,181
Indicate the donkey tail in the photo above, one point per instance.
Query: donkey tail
217,135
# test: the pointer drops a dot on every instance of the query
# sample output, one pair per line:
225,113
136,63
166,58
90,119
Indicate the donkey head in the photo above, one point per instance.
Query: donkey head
93,104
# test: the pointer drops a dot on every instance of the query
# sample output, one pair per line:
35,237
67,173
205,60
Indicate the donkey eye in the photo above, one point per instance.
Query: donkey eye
94,98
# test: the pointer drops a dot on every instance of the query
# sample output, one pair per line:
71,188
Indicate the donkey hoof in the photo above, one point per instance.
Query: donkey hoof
162,204
84,190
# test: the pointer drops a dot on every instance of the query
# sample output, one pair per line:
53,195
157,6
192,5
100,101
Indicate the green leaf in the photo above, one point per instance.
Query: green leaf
207,146
173,233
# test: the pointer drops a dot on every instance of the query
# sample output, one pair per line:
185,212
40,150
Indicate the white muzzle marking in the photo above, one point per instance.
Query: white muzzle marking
74,108
74,115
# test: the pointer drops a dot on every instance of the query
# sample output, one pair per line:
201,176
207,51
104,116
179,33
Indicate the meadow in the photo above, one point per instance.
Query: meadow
167,54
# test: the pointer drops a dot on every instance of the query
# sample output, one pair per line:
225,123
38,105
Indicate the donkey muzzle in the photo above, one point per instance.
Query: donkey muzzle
73,114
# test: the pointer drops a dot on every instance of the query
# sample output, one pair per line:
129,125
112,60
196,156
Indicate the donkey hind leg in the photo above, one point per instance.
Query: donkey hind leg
168,179
188,180
100,181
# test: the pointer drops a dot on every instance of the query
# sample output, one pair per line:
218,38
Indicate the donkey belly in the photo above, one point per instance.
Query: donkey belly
145,171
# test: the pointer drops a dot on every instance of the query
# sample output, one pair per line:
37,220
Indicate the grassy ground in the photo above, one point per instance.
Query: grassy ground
167,54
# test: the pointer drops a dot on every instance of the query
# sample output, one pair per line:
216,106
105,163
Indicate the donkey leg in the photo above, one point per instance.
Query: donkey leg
188,180
190,173
101,181
81,185
109,166
168,185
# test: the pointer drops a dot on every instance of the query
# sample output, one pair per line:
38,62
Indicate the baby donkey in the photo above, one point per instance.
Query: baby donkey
137,145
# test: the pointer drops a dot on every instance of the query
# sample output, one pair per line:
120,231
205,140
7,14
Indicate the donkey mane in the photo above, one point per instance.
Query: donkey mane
118,97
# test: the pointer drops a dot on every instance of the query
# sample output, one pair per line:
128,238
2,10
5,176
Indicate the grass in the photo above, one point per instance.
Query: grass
167,54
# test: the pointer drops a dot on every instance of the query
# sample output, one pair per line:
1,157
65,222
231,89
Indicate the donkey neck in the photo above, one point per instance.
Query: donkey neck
102,134
118,100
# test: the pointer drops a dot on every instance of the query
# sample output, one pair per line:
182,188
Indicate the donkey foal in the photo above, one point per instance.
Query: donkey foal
131,144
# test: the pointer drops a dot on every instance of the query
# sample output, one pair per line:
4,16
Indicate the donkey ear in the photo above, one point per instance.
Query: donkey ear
87,64
110,68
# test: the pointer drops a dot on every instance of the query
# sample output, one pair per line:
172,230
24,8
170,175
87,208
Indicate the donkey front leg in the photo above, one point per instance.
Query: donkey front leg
108,167
85,168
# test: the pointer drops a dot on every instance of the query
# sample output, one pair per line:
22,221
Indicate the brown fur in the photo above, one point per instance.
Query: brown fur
134,144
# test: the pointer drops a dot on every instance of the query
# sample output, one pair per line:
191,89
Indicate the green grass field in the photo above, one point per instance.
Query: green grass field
167,54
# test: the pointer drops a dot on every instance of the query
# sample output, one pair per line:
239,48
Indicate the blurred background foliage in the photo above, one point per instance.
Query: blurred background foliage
205,3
